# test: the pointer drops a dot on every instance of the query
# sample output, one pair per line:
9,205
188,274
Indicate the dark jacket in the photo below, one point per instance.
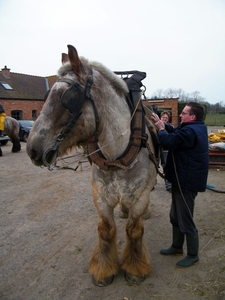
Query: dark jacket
188,145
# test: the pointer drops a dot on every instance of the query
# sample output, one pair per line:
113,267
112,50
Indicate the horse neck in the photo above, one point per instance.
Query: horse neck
114,129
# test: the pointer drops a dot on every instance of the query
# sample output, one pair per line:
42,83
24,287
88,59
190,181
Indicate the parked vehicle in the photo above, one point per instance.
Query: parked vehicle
25,127
4,140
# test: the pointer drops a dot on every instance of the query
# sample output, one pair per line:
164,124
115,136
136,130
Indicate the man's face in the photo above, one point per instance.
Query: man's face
186,116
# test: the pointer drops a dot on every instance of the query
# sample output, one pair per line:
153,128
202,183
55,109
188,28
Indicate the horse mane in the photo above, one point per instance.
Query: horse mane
116,82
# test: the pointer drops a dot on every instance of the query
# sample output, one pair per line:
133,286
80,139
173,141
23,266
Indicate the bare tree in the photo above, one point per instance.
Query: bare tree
158,94
178,93
187,97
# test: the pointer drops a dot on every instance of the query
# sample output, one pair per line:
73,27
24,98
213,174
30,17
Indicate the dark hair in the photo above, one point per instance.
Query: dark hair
1,109
197,109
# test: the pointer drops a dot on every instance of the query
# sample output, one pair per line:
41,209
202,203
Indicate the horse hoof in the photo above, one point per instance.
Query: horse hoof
132,279
104,282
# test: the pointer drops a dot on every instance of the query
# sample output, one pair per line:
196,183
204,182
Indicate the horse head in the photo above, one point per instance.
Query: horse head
53,133
70,115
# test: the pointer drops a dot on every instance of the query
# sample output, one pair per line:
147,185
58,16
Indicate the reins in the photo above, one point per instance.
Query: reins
153,159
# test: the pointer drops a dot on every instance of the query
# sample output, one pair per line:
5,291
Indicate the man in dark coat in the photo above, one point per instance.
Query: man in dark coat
187,169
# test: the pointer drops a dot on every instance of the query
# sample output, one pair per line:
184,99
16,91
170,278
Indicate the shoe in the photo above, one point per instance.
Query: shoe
177,246
192,249
172,251
188,261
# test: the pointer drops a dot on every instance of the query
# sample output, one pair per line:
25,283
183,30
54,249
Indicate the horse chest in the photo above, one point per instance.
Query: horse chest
117,186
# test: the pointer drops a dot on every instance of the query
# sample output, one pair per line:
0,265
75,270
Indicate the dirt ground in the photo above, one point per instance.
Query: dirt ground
49,228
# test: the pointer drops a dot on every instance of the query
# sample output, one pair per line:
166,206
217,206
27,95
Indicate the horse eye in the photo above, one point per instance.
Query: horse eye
46,95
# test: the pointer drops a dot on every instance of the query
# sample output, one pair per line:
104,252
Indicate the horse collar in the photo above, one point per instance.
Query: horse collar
138,139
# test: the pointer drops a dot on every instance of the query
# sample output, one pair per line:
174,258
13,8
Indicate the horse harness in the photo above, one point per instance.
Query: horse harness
138,137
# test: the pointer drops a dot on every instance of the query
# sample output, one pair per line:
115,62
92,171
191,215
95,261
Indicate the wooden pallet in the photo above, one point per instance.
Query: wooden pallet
217,158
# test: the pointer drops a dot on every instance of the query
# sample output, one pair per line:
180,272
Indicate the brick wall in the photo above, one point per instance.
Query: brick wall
26,106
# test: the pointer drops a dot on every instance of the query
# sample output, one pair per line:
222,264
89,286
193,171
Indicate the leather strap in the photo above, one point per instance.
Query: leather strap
137,140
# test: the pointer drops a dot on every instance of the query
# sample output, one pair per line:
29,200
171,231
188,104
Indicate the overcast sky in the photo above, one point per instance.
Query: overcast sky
178,43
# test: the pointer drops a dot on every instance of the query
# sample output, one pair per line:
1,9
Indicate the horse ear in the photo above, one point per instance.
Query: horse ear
64,58
74,59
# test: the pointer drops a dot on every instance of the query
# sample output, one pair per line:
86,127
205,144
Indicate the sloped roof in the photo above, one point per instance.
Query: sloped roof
25,87
51,80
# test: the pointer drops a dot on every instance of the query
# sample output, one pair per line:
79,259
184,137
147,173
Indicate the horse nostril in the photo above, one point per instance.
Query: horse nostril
35,157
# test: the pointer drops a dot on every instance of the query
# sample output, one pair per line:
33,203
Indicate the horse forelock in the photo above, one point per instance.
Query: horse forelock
65,68
115,81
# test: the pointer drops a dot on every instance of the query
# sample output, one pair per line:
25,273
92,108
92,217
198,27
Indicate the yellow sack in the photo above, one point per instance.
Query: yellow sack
216,137
2,121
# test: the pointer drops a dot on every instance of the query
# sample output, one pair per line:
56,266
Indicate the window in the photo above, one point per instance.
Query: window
6,85
17,114
34,114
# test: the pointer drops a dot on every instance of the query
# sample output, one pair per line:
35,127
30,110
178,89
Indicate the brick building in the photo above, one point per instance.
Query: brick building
22,96
169,104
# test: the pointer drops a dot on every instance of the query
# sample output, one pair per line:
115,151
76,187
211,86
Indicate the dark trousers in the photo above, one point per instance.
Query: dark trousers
182,209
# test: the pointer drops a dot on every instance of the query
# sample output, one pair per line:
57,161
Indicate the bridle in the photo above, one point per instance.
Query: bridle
80,93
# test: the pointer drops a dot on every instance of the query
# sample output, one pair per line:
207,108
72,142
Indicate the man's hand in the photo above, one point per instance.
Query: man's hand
158,123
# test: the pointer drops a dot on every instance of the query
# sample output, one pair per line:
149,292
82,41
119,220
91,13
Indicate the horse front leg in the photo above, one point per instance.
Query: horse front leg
104,262
135,259
16,145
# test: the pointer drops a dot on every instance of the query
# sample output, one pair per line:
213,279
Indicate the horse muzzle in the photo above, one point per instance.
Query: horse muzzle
46,159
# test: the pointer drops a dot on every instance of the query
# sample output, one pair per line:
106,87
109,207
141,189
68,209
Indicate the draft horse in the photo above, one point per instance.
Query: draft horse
87,106
12,128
